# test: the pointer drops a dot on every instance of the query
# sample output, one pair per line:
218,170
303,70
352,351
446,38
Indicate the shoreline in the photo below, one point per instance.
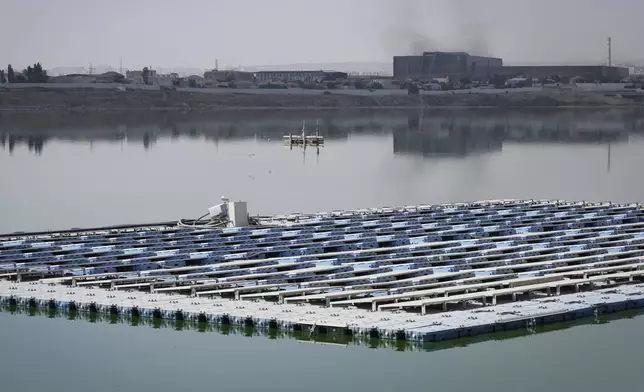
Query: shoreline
80,100
278,121
305,108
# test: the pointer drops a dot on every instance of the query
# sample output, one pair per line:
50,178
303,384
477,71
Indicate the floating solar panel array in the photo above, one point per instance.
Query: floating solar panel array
386,249
383,259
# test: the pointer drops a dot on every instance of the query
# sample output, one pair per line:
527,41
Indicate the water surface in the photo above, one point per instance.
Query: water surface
70,175
61,172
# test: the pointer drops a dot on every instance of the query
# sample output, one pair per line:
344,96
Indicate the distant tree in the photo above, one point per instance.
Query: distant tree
11,76
145,74
35,74
2,78
359,84
41,74
192,83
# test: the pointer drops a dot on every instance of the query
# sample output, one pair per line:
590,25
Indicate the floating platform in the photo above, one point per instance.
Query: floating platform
421,273
304,140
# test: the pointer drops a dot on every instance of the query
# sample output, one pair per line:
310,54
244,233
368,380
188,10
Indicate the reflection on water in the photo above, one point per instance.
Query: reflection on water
460,136
340,340
144,168
426,133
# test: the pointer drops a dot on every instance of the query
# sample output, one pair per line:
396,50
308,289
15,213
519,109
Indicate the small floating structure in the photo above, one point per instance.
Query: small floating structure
304,140
420,273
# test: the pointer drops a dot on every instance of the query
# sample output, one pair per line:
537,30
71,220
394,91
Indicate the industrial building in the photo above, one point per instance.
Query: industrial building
459,65
222,75
431,65
590,73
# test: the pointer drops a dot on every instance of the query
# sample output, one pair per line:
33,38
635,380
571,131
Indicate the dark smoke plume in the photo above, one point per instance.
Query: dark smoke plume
406,27
470,31
404,33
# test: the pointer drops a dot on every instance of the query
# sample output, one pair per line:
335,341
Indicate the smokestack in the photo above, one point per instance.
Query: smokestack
610,52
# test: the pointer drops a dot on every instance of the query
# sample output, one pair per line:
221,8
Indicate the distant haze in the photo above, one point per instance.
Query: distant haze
194,34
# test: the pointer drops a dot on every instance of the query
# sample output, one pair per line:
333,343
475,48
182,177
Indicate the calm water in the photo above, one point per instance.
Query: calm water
79,171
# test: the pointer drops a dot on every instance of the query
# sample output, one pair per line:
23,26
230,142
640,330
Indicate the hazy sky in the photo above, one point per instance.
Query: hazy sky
193,33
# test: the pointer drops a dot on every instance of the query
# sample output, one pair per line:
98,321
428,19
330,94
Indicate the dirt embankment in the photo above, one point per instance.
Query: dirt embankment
110,100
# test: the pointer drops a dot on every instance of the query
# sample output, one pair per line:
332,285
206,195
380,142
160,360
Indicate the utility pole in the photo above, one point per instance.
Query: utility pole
610,52
608,161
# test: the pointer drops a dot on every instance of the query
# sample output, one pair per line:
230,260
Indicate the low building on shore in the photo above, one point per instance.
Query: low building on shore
136,76
193,81
565,73
196,81
163,80
73,78
216,77
299,76
153,78
106,77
